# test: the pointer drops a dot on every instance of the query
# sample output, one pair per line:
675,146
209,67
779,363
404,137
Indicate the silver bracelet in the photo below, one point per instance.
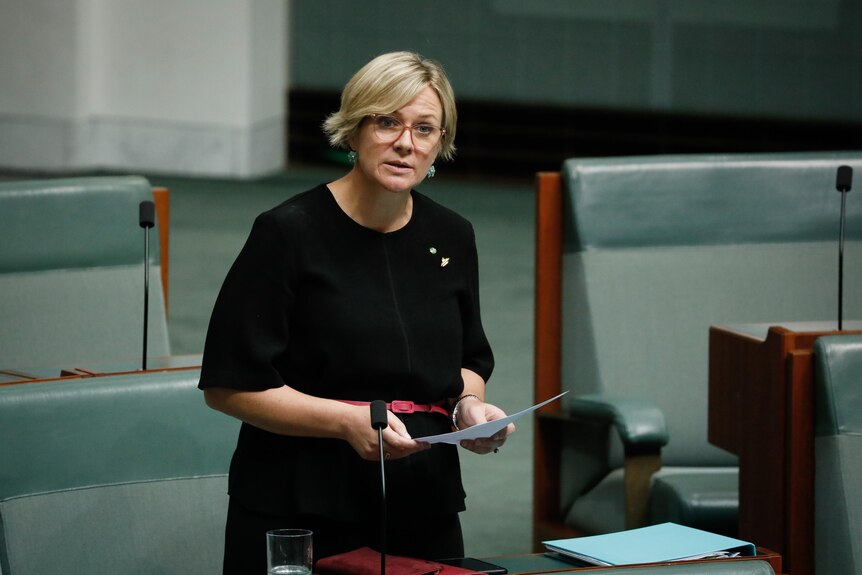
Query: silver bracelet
457,406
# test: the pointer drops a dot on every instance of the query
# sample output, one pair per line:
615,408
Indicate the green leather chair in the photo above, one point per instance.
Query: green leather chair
838,455
114,474
655,251
72,274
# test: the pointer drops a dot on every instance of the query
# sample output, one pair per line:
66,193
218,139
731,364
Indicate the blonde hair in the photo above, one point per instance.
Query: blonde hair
385,84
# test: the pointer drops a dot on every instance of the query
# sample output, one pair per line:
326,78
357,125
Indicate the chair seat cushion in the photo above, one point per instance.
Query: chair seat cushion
702,497
705,498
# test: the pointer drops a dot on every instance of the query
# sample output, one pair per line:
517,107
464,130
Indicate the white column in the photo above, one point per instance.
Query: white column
193,87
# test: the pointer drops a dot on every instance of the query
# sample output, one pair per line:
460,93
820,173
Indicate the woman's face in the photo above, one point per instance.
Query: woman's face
399,165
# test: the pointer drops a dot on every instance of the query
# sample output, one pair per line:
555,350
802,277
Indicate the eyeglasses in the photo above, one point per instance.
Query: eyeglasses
389,128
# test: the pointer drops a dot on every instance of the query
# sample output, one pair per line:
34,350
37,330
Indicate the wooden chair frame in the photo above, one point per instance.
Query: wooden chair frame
548,360
550,420
162,200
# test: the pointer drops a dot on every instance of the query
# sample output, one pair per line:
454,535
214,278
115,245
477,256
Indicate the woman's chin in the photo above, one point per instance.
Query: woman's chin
398,183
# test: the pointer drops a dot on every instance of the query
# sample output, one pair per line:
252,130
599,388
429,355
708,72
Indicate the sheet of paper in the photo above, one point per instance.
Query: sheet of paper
484,429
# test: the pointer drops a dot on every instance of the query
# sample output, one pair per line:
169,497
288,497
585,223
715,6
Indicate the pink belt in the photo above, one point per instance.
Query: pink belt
400,406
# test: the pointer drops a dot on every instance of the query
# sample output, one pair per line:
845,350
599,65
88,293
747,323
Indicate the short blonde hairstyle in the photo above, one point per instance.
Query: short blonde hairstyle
385,84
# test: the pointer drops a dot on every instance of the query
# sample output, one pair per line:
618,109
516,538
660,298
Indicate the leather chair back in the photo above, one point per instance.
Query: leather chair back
114,474
655,251
72,273
658,249
838,455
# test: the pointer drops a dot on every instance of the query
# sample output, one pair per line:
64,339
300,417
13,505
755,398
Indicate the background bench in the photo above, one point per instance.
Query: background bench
636,258
72,273
114,474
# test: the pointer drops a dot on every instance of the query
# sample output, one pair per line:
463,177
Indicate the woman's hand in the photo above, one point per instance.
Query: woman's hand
286,411
397,443
473,411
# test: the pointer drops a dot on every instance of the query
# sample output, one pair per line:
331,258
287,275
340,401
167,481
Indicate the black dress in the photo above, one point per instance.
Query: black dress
322,304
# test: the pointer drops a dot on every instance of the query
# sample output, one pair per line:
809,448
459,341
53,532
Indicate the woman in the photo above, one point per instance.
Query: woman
356,290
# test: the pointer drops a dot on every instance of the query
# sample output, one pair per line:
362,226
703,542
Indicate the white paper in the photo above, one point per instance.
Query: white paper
484,429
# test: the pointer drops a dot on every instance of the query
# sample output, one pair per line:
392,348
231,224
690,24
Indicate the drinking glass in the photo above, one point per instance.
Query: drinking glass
288,552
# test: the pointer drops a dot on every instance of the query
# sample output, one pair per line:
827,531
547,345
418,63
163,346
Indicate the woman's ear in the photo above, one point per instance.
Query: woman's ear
352,140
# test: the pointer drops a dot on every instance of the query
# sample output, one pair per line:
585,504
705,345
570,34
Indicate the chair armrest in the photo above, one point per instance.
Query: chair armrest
640,424
643,432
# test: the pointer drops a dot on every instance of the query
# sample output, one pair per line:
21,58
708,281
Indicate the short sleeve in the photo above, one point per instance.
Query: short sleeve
477,354
249,326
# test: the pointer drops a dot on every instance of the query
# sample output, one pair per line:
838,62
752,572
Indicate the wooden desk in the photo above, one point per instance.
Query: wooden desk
165,363
761,408
536,563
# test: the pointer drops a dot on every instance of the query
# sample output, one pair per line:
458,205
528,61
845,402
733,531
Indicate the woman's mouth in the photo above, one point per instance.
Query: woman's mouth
400,166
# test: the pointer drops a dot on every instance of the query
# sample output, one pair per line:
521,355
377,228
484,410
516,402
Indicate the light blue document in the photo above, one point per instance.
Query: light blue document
653,544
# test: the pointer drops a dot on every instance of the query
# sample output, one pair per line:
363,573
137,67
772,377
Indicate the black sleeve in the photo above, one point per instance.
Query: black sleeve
477,354
249,326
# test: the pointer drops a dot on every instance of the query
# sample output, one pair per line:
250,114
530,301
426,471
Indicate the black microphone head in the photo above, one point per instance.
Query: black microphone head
379,417
844,178
147,213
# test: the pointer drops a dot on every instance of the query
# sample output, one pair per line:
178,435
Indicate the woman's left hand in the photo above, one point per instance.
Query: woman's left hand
473,412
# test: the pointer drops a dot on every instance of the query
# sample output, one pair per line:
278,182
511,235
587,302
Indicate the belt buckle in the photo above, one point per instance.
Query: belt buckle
401,406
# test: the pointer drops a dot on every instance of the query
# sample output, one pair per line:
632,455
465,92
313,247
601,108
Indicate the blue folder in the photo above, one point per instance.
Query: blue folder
653,544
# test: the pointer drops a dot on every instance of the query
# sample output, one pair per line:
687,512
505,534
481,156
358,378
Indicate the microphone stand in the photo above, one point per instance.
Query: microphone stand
843,182
379,422
147,219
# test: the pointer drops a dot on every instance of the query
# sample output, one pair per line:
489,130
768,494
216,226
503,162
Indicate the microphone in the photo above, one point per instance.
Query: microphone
843,182
147,214
146,219
379,421
844,178
379,417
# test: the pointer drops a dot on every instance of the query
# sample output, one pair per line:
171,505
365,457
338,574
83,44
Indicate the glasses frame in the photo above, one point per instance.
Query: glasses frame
405,126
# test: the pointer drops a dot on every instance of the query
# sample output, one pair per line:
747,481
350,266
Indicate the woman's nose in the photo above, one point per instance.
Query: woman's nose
405,139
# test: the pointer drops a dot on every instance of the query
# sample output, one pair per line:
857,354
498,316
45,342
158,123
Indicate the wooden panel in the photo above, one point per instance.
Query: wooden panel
548,302
547,357
761,408
799,479
162,200
730,393
535,564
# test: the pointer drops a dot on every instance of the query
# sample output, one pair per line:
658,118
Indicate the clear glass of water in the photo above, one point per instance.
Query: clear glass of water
288,552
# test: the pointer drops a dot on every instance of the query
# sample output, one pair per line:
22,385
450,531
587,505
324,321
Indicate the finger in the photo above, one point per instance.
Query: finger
473,413
486,445
397,426
504,433
469,445
391,452
476,446
397,441
400,447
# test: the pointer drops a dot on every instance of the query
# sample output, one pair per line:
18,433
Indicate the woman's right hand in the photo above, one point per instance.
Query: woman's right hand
397,442
286,411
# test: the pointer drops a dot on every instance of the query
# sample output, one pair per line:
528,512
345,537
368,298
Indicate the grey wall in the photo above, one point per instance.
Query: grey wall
796,59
